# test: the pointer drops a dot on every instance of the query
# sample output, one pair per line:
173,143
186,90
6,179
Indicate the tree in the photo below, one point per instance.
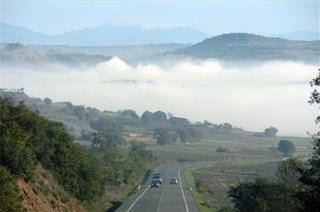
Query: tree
147,117
102,141
310,174
162,136
222,149
271,131
128,117
286,147
160,117
79,110
111,126
271,194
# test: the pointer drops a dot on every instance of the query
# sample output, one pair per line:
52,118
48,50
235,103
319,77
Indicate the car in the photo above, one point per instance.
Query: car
173,180
155,183
157,177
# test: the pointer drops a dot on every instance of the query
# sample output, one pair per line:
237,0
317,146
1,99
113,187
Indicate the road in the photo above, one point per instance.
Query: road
167,198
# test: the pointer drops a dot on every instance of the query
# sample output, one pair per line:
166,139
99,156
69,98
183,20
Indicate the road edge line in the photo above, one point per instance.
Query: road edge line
184,198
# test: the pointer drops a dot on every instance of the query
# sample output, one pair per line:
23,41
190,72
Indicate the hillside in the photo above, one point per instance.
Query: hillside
42,168
14,54
43,193
244,46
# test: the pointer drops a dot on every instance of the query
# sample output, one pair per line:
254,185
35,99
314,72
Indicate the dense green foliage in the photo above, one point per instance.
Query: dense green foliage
286,147
10,199
27,138
265,194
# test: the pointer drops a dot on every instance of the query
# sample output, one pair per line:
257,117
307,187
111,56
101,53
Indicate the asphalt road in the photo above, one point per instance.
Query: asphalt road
166,198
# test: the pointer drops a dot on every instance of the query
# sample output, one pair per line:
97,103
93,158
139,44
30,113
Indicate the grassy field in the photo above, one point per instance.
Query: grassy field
210,185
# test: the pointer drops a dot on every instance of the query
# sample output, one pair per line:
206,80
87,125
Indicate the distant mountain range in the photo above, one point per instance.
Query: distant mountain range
104,35
244,46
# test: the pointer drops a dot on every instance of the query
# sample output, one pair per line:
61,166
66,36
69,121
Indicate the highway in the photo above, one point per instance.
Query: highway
166,198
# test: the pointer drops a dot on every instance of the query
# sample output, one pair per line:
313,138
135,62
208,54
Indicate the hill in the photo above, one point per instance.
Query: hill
104,35
244,46
17,54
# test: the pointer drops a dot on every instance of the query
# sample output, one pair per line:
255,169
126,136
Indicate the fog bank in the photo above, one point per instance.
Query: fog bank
270,94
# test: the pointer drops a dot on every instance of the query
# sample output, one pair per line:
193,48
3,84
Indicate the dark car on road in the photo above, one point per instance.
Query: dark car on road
155,183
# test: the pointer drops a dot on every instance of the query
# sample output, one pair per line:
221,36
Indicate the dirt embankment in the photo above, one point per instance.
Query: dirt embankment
43,194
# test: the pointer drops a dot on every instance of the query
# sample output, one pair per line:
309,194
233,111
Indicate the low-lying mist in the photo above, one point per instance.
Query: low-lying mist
270,94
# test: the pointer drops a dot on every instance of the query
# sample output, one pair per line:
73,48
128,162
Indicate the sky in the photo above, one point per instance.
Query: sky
214,17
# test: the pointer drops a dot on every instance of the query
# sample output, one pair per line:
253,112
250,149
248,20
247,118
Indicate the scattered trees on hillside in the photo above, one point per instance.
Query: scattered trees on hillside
271,131
286,147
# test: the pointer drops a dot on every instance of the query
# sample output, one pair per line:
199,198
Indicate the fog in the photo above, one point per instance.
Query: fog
270,94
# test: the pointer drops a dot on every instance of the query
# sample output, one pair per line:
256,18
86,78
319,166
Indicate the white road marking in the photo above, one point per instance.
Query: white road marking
139,197
184,198
164,189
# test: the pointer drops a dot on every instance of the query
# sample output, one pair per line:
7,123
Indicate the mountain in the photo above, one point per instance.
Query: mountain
244,46
17,54
299,35
104,35
12,34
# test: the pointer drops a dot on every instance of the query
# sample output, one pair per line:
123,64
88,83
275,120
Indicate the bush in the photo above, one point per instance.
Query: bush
222,149
10,199
286,147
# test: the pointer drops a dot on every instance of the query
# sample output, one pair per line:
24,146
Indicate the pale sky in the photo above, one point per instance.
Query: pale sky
214,17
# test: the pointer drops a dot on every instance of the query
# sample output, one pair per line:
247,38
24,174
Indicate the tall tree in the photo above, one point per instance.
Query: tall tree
310,175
